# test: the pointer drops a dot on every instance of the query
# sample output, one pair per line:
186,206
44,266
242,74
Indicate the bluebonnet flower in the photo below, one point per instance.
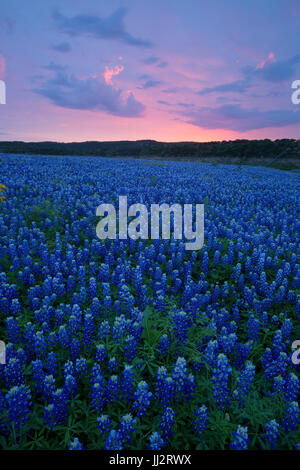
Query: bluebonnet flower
126,299
227,342
221,374
68,368
112,389
211,352
216,294
81,276
241,440
74,324
92,289
278,344
141,398
181,324
278,385
71,283
130,348
49,386
2,408
112,364
104,330
70,386
81,366
13,330
4,305
164,344
205,262
88,329
119,328
189,387
75,445
277,366
165,386
104,424
156,442
200,423
253,327
63,337
280,364
18,354
96,372
100,354
57,411
266,358
18,403
98,394
271,434
107,302
216,258
167,421
96,307
160,302
75,349
104,273
286,329
179,375
292,387
244,382
38,374
13,373
39,343
114,441
292,417
51,363
127,382
127,426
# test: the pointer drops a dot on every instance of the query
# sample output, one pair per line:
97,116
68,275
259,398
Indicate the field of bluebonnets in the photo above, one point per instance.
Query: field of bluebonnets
142,344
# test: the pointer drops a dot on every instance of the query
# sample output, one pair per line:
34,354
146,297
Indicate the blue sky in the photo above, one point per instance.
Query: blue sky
168,70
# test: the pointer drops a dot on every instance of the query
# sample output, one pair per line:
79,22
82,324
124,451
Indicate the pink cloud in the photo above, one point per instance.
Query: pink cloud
270,58
109,73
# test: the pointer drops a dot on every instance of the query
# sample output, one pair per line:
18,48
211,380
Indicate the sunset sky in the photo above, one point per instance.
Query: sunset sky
170,70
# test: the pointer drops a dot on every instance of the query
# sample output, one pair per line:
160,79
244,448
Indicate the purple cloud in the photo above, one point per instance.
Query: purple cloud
280,70
105,28
155,61
165,103
53,67
271,71
150,83
237,86
62,47
91,94
185,105
236,118
172,90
